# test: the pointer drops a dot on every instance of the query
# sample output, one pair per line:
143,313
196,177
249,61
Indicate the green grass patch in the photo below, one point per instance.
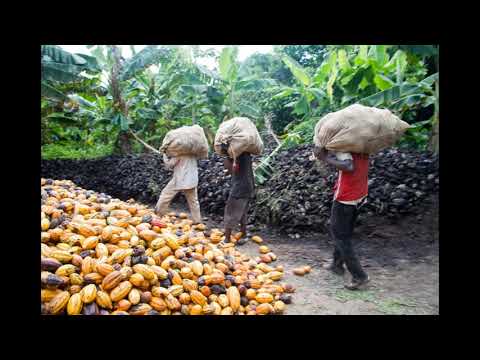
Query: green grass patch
387,306
75,151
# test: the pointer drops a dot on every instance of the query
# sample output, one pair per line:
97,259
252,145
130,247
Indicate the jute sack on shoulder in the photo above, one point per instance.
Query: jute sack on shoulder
359,129
242,135
186,140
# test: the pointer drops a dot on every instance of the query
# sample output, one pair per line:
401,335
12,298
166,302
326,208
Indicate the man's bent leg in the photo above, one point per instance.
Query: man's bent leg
243,221
336,224
349,214
167,195
193,204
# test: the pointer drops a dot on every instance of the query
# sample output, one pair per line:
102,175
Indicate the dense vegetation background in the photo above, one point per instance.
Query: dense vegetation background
91,105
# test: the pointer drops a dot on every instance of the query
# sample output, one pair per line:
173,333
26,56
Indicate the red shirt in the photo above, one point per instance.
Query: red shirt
353,185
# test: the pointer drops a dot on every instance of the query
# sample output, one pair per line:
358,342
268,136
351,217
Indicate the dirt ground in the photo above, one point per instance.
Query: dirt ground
401,259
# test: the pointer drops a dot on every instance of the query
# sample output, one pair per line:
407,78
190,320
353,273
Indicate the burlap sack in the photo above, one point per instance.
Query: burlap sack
241,134
186,140
359,129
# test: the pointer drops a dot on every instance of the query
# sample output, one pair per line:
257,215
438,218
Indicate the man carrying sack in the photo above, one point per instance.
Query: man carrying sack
182,148
185,179
238,139
241,193
344,139
350,190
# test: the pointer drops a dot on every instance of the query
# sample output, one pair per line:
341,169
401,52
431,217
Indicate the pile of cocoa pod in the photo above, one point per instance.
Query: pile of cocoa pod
103,256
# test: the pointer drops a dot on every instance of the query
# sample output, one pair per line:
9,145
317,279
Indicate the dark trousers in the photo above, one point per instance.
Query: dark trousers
342,222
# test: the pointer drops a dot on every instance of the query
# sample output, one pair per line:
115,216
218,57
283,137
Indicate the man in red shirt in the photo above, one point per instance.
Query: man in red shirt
350,189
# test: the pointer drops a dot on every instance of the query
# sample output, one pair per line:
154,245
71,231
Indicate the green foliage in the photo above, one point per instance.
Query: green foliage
86,105
310,56
68,150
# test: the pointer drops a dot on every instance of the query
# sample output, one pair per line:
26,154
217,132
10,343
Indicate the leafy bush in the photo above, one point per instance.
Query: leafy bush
71,150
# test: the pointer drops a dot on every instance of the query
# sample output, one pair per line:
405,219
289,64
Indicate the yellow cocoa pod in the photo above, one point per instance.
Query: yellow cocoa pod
119,255
264,249
58,303
48,294
137,279
251,294
148,235
189,285
264,297
196,310
112,280
197,267
184,298
88,265
233,298
134,296
257,239
217,309
157,243
223,300
93,278
55,234
64,246
45,224
158,303
134,241
275,275
176,278
89,293
103,300
222,267
207,269
74,289
198,298
121,291
145,270
299,271
264,309
75,304
227,311
104,269
175,290
200,227
65,270
45,237
101,250
173,303
86,230
172,242
76,279
61,255
186,273
90,243
279,307
161,273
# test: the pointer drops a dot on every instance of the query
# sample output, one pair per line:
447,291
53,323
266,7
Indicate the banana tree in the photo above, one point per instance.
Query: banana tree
305,94
61,67
120,73
233,85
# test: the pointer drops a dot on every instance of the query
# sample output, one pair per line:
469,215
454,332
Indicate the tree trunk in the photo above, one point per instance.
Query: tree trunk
122,144
194,120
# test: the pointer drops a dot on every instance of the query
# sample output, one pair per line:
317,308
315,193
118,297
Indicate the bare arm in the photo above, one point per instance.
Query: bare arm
342,165
329,158
227,163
